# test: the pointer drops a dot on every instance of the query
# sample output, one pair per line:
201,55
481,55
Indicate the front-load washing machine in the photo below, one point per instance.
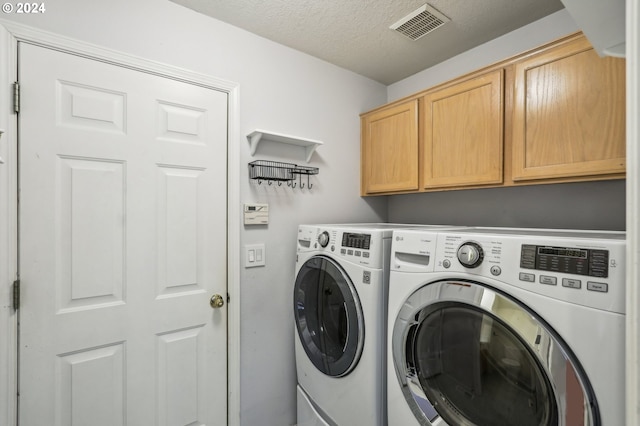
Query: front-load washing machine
495,326
340,300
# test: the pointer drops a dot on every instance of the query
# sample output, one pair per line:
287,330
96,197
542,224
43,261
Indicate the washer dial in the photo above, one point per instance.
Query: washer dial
323,239
470,254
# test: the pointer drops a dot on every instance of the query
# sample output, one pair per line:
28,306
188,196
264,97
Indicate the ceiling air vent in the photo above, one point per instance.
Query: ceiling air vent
420,22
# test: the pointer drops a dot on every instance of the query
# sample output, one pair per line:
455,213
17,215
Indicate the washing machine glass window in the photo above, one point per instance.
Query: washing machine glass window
474,356
328,316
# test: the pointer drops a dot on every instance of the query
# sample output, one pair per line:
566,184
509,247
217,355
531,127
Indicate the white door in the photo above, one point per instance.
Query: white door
122,210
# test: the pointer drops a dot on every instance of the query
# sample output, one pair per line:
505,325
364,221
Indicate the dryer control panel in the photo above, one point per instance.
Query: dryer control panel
581,267
365,247
356,240
570,260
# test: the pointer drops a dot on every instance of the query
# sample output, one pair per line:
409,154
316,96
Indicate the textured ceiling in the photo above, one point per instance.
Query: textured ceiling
355,34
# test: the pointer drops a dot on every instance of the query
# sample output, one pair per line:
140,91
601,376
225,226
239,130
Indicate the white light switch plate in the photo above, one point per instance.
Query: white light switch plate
254,255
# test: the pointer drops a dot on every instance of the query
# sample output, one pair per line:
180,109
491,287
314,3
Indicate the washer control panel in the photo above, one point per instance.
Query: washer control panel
356,240
355,245
581,267
470,254
570,260
323,239
364,247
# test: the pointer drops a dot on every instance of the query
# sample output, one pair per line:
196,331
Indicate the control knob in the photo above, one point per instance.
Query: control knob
323,239
470,254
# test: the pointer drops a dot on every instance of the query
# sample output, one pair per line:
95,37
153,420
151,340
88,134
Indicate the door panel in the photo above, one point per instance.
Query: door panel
122,243
390,149
569,114
462,134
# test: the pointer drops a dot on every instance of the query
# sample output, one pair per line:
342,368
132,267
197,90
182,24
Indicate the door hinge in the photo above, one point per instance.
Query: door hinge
228,298
16,97
16,295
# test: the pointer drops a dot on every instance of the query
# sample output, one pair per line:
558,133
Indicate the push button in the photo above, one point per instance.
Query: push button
571,283
600,287
527,277
545,279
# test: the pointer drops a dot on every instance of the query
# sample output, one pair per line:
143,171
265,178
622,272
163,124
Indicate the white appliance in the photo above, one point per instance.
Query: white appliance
340,300
495,326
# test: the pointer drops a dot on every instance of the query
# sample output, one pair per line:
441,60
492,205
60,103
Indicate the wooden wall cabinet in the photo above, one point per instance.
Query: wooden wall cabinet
553,114
462,133
569,114
389,151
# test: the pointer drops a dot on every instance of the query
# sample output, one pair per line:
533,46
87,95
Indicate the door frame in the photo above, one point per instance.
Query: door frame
633,214
10,34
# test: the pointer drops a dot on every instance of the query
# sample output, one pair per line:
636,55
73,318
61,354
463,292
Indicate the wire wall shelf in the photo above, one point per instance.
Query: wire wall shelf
275,171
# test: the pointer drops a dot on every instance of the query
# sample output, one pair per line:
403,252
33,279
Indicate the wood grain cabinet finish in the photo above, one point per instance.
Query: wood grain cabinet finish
550,115
389,151
569,114
462,133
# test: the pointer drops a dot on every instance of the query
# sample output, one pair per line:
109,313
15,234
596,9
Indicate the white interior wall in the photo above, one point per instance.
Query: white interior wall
281,90
528,37
589,205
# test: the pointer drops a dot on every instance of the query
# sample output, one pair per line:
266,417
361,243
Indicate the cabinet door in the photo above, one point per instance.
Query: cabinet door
463,133
569,114
390,149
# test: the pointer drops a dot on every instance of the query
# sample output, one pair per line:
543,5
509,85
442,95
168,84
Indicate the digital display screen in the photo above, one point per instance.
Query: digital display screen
569,260
361,241
558,251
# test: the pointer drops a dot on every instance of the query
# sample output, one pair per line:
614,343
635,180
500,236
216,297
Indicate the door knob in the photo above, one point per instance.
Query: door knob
216,301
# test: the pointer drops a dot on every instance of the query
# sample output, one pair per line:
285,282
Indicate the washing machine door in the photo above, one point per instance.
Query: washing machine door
467,354
328,316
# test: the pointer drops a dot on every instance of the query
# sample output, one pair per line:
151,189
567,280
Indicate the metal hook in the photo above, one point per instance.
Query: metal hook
270,182
301,184
308,183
